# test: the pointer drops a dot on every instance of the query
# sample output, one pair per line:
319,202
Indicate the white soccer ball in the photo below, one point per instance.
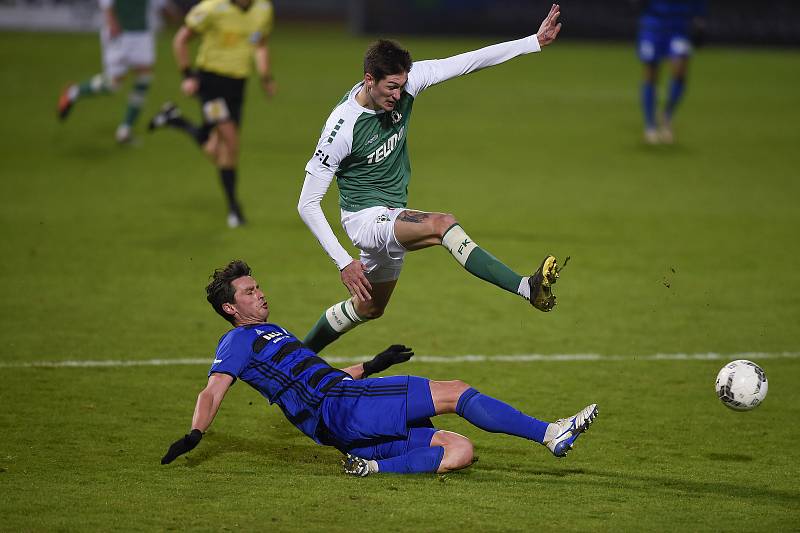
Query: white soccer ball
741,385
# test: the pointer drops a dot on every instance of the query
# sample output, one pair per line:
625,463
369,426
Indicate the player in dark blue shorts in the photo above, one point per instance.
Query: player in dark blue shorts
664,33
381,424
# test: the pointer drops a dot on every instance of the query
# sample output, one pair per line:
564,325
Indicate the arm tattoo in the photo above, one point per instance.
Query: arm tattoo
414,216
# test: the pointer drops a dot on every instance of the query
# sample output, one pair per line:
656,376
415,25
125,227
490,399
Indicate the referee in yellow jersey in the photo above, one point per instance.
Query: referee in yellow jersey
233,32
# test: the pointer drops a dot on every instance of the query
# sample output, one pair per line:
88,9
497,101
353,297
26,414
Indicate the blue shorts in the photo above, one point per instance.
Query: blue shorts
653,46
377,418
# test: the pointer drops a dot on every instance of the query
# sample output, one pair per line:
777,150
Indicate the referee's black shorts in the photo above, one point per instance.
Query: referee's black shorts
221,97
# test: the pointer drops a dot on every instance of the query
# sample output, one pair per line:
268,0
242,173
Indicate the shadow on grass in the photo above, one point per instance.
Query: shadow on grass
269,450
635,482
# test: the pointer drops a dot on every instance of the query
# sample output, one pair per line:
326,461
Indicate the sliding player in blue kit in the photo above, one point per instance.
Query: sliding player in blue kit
381,424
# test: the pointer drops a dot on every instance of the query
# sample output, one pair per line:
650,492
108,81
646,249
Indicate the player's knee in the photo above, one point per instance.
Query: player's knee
443,223
232,145
446,395
210,149
465,453
111,83
371,312
458,453
459,387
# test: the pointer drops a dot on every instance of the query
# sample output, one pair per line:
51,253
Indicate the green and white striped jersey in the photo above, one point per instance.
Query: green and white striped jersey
135,15
366,150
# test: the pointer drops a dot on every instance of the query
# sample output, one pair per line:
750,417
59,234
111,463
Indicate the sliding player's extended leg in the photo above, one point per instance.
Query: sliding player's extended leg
495,416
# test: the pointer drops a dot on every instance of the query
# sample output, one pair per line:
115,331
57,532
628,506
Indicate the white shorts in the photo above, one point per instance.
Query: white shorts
372,231
127,50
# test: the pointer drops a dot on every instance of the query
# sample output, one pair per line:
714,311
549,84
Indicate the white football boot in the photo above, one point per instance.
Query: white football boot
570,429
123,135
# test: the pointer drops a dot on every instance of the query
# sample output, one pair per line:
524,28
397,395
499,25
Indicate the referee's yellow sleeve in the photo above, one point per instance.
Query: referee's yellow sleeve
197,19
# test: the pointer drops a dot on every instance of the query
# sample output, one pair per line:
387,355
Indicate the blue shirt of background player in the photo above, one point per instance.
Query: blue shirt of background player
277,365
670,16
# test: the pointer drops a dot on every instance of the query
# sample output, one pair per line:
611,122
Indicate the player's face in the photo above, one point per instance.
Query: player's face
249,302
385,93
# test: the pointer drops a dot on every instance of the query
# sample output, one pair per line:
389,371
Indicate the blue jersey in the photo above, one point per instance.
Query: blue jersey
673,16
276,364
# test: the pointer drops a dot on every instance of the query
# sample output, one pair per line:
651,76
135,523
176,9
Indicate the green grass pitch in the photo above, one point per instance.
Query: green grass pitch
685,249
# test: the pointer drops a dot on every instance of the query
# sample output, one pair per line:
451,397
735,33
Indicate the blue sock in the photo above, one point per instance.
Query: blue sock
495,416
649,104
675,94
416,461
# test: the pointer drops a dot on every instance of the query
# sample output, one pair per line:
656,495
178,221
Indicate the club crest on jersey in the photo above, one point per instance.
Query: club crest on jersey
397,116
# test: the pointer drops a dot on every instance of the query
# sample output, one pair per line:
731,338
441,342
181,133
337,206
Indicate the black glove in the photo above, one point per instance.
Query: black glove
396,353
185,444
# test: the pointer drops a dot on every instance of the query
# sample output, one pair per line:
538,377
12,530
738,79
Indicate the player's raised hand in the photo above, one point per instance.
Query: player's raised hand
550,26
356,282
394,354
183,445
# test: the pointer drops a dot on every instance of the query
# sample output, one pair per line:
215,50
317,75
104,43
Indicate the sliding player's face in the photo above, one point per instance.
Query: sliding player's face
385,94
249,302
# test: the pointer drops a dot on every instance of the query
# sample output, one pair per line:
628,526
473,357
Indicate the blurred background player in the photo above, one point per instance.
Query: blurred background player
665,30
127,38
233,33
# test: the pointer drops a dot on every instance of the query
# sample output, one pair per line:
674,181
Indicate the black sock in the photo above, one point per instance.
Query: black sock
228,178
199,134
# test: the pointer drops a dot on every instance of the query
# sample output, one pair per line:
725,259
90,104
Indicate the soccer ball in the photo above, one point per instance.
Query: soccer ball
741,385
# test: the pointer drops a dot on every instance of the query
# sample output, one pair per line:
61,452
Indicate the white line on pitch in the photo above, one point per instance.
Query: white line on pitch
446,359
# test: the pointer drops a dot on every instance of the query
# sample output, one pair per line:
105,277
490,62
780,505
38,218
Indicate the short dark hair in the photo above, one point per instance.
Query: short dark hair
220,289
384,58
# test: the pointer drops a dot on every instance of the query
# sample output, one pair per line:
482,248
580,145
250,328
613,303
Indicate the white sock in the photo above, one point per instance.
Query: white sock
373,466
342,316
550,433
524,289
458,243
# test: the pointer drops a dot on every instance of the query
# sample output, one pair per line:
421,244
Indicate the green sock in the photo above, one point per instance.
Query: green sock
136,99
487,267
478,261
321,335
97,84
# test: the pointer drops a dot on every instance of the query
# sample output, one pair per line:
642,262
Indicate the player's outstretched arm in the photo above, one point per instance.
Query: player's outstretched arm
309,206
548,31
263,67
427,73
208,402
394,354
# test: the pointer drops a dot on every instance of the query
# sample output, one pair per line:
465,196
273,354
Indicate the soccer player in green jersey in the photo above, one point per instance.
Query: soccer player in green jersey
127,38
233,36
363,145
